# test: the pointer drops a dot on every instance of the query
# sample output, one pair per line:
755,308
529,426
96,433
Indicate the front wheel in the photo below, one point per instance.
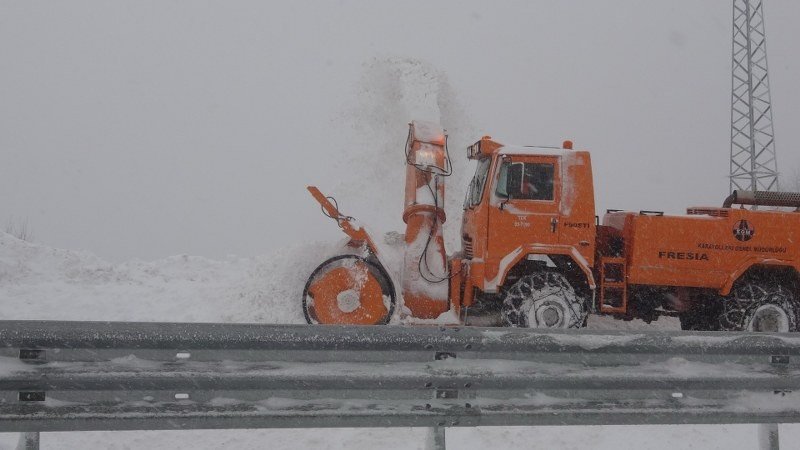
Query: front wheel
543,300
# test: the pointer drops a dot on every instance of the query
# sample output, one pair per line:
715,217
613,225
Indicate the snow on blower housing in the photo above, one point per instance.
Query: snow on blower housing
534,253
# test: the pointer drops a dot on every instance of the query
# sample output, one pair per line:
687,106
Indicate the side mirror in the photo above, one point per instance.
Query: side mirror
503,203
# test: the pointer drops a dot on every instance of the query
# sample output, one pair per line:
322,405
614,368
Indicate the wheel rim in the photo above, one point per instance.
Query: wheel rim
769,318
347,290
549,313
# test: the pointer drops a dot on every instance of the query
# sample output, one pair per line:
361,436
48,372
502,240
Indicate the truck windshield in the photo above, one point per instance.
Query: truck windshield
525,181
475,191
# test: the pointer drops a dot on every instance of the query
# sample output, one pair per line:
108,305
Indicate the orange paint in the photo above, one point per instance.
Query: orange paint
702,250
356,282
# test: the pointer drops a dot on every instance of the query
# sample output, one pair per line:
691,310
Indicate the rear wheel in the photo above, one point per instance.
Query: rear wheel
348,289
543,300
760,306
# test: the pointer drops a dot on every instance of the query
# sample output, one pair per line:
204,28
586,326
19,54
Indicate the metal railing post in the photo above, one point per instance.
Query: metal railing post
768,437
28,441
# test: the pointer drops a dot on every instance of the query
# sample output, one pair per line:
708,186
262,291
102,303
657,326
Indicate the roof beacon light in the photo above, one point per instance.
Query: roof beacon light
482,148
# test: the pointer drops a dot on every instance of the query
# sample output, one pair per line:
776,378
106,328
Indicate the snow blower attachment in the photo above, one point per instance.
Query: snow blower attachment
352,288
534,253
356,288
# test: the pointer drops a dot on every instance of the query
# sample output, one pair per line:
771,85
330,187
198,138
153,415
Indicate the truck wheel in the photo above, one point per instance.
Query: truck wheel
759,306
543,300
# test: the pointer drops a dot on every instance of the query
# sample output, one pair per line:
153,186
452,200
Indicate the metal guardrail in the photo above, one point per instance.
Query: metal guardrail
78,376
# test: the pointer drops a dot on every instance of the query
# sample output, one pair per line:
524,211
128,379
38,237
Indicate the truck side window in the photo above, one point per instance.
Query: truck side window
526,181
478,181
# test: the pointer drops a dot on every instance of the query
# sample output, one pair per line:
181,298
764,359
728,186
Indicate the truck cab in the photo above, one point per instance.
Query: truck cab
528,207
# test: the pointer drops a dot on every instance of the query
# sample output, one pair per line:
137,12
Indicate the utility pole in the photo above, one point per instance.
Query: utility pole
754,166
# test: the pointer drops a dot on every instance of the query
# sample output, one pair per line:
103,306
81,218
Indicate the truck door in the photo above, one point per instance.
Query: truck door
524,205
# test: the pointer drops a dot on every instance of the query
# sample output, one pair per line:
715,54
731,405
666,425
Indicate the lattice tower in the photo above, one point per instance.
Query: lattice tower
754,165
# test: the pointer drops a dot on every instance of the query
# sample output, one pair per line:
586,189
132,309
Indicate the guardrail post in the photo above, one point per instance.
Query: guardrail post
768,437
435,439
28,441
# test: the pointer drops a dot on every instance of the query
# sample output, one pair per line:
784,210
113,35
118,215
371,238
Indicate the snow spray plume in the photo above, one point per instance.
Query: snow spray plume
391,93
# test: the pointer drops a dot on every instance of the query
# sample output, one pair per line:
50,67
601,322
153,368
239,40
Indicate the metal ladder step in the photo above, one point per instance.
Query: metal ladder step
613,285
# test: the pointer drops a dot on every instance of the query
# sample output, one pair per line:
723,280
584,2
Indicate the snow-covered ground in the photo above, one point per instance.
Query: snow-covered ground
38,282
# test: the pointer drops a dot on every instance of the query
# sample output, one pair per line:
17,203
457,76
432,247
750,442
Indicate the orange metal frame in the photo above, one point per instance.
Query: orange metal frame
358,236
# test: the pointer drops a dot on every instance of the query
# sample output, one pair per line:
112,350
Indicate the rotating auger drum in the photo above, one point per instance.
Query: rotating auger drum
349,289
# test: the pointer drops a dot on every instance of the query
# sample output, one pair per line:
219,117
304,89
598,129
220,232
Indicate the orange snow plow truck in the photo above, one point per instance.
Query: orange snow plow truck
534,254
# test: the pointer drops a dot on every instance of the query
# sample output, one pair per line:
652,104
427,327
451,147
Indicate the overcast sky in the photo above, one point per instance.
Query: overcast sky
144,129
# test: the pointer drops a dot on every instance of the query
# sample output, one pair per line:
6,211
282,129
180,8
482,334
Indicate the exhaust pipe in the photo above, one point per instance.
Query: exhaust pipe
763,198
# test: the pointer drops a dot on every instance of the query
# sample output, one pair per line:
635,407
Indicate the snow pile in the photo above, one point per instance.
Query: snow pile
37,282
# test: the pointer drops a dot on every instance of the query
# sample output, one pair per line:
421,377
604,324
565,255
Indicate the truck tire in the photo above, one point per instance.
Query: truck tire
543,300
755,305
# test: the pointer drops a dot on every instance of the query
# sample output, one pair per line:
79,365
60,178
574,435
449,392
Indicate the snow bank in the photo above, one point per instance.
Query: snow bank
37,282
